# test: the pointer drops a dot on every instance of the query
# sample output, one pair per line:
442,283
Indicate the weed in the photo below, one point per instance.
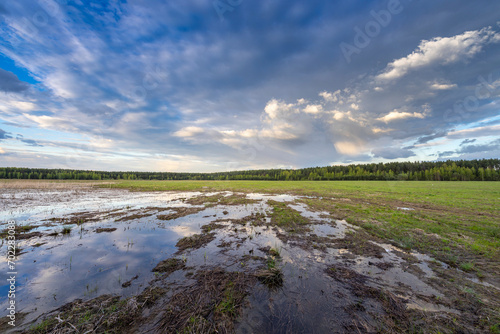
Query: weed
467,266
66,230
43,326
274,252
272,277
227,305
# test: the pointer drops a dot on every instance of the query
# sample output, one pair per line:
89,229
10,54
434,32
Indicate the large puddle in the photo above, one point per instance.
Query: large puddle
114,238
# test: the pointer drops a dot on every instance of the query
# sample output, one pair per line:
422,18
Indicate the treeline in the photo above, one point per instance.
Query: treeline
460,170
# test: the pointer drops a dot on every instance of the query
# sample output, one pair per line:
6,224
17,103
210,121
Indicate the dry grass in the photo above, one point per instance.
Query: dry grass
105,314
210,305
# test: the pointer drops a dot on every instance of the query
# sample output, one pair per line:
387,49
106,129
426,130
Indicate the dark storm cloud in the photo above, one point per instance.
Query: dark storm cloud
446,154
491,146
30,142
4,135
392,153
467,141
425,139
9,82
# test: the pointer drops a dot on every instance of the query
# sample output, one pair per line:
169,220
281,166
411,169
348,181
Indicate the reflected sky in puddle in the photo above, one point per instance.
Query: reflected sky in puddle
54,270
33,206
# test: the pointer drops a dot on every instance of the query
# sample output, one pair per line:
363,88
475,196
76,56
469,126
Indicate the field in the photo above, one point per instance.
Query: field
384,256
465,215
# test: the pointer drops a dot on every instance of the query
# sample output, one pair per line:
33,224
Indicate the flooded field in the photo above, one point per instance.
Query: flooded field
114,261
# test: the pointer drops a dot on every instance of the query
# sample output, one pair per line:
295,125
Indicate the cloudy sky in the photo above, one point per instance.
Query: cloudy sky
203,85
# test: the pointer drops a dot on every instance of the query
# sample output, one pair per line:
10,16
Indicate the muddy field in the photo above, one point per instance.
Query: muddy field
93,260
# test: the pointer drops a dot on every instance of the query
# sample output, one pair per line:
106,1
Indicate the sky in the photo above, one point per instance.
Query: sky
204,85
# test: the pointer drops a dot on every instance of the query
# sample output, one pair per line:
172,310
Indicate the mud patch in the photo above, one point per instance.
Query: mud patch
195,241
359,243
180,212
395,318
169,266
221,199
105,229
212,226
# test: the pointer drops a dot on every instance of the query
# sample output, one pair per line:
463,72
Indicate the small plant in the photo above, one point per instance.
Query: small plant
467,266
91,291
271,263
228,304
274,252
43,326
130,242
271,277
66,230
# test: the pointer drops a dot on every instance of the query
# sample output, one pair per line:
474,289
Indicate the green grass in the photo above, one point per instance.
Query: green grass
43,326
467,266
450,220
228,304
479,195
286,217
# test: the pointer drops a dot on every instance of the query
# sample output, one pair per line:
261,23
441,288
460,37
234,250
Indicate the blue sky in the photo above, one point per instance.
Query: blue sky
203,85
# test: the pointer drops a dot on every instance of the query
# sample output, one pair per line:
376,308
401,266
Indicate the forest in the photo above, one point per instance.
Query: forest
451,170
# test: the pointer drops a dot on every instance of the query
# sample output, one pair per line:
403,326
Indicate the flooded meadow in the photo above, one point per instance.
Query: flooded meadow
111,260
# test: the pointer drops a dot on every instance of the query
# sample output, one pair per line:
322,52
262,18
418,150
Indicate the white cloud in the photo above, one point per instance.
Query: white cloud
280,131
338,115
395,115
2,151
275,108
313,109
442,86
49,122
441,50
349,148
189,131
330,97
492,130
7,103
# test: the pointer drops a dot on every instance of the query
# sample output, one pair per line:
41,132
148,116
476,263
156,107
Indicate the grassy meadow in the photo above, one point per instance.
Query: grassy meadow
456,222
